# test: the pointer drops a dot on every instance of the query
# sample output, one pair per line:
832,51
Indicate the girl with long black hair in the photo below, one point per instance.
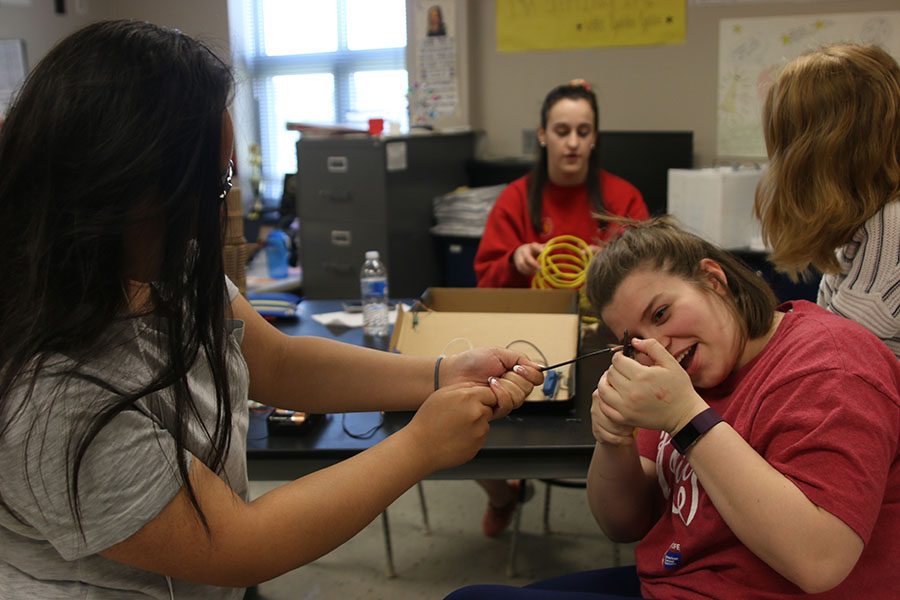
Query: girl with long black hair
127,357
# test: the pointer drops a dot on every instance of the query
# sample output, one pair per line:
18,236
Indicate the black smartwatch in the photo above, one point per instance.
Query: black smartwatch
696,427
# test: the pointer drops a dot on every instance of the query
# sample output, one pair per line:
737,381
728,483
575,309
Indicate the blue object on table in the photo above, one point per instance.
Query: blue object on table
275,305
258,425
551,382
278,245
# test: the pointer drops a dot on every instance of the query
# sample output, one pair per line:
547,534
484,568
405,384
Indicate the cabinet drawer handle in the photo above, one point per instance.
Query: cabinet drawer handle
335,195
341,237
337,164
339,268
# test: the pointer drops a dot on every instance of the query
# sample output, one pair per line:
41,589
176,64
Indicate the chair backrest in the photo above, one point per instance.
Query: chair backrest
644,158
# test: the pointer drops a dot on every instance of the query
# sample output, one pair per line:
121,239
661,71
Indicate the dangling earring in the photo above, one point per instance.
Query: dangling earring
225,183
543,144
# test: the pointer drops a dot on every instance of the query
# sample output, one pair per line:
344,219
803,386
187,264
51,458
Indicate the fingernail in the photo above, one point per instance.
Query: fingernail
492,380
519,369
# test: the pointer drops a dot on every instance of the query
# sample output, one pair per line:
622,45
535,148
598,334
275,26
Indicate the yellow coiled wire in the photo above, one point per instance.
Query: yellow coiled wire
562,264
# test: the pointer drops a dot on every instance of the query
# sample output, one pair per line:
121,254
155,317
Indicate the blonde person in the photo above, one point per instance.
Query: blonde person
128,357
830,198
767,459
561,196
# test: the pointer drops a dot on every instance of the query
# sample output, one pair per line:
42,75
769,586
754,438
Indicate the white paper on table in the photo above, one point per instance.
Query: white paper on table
355,319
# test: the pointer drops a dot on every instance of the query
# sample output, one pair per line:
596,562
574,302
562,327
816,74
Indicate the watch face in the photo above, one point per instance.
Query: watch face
697,426
684,438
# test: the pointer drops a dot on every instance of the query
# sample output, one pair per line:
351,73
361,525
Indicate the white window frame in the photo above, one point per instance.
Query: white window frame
341,63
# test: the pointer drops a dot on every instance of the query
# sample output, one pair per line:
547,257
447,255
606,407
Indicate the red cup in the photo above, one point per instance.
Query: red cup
376,126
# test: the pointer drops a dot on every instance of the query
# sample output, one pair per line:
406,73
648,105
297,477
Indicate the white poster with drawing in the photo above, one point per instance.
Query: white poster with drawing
435,86
752,52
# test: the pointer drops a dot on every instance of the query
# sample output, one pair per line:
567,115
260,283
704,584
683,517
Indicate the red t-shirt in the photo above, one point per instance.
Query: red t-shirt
565,211
821,404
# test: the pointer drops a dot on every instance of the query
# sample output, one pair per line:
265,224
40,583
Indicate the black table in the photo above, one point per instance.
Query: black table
535,442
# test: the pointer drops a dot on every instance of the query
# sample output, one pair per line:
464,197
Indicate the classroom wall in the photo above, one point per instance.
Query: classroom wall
41,28
207,20
644,88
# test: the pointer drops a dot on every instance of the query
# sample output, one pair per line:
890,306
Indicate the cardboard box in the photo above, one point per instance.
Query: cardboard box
544,324
716,204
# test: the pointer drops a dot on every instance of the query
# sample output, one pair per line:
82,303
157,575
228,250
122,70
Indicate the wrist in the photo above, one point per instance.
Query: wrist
446,370
697,406
687,436
613,463
617,439
417,449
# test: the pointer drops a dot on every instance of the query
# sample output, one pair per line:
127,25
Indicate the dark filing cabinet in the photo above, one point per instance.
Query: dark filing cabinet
364,193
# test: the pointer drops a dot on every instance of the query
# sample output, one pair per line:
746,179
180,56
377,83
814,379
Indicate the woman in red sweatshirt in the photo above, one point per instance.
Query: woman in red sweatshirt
558,197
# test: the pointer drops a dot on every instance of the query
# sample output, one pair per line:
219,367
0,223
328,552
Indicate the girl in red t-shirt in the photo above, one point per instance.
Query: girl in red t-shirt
766,462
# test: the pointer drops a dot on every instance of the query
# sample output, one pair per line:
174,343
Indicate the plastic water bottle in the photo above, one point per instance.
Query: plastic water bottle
374,289
277,245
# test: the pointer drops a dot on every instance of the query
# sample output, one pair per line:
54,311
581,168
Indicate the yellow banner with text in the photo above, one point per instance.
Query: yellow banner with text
525,25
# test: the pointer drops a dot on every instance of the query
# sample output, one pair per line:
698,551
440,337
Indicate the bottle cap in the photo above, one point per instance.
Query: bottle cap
277,237
372,255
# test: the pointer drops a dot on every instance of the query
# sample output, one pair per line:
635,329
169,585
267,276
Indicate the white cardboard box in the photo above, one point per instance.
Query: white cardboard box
716,204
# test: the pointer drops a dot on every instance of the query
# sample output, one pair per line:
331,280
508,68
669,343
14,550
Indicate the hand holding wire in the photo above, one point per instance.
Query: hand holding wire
626,348
659,395
607,424
512,388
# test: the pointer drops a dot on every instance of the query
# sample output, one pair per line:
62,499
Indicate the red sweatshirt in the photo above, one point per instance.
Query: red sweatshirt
566,211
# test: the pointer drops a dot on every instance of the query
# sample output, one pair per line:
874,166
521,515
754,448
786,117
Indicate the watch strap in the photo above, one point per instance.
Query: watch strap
696,427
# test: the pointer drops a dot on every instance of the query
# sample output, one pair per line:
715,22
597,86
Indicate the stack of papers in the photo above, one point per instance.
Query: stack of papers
462,213
275,305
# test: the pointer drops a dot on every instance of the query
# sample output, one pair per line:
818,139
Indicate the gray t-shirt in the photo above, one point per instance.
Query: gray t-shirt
128,474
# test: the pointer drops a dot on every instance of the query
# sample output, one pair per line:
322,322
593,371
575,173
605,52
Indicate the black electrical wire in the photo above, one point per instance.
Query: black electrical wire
365,434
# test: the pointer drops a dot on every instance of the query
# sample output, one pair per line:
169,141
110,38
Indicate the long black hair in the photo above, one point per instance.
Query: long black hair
575,90
118,127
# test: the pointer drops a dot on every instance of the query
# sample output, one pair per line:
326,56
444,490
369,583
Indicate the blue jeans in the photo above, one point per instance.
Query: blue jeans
619,583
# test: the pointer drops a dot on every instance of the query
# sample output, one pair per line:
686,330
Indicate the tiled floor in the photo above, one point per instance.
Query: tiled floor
455,554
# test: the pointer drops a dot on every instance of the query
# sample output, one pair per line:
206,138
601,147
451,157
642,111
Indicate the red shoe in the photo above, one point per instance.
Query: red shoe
496,520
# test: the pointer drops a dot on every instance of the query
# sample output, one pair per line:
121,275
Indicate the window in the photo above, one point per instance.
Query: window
324,61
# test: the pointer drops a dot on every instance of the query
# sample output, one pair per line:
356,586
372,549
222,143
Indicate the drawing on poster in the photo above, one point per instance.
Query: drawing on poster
435,86
752,52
